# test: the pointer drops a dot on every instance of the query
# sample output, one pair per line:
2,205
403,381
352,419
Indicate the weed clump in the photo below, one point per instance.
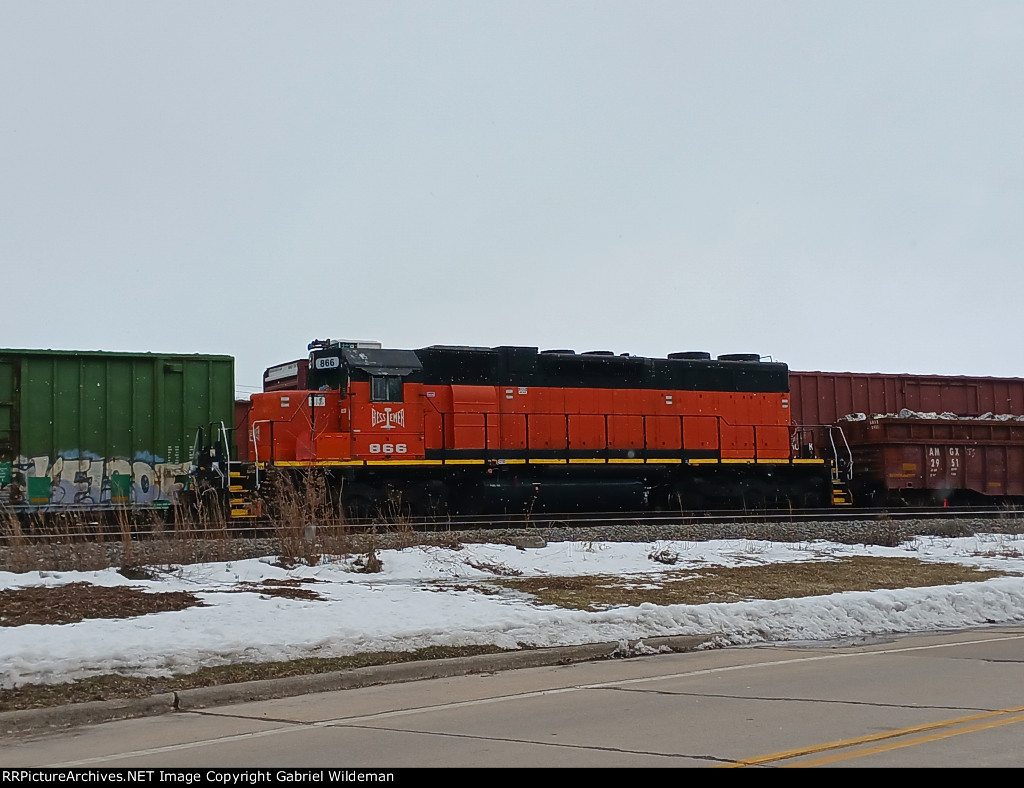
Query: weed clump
306,521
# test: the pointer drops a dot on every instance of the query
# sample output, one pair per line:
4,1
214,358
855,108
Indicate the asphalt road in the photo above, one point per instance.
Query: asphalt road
935,700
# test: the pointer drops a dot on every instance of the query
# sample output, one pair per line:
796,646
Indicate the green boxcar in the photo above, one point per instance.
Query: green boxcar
96,428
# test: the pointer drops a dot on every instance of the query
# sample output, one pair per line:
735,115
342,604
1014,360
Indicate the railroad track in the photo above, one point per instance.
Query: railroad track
596,519
98,531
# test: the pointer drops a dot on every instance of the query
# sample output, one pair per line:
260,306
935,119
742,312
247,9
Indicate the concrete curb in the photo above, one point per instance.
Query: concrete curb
84,713
93,712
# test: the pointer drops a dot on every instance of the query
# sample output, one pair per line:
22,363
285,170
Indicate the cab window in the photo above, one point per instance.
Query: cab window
385,388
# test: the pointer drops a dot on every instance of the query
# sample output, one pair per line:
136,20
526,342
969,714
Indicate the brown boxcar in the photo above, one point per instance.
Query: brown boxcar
936,460
243,447
824,397
915,459
286,377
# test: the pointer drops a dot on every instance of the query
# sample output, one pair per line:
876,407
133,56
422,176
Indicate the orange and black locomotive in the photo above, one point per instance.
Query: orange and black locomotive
505,429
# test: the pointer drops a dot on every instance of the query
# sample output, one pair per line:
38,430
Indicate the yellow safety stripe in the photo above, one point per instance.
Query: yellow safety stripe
541,461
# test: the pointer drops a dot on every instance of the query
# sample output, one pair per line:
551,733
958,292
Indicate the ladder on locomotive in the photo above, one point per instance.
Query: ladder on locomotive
842,468
808,440
239,483
242,500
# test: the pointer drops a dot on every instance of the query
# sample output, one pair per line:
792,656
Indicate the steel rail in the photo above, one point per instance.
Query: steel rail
98,531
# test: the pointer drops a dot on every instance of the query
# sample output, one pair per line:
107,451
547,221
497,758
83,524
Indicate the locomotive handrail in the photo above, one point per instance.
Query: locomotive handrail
226,478
835,453
255,445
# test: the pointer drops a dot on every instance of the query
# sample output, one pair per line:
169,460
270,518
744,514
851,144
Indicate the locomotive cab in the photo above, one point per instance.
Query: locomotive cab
358,407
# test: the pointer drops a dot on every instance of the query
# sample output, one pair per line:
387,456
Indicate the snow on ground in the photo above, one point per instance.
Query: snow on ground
404,608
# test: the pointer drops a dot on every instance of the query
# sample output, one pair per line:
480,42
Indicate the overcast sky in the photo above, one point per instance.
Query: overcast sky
839,185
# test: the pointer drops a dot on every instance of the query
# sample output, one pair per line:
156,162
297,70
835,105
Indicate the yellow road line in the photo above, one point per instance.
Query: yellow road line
844,743
907,743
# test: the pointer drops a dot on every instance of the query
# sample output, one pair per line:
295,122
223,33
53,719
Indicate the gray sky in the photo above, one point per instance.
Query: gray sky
839,185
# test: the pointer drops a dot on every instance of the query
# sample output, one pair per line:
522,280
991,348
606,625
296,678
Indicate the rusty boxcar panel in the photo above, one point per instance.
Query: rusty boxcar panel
243,445
824,397
985,457
898,455
290,376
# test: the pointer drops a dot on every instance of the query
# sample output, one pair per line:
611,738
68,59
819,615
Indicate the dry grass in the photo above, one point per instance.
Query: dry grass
310,527
81,540
734,584
73,602
111,687
285,589
301,515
